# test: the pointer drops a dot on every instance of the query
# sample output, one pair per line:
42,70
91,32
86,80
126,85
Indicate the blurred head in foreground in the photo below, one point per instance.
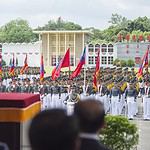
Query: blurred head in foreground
91,115
54,130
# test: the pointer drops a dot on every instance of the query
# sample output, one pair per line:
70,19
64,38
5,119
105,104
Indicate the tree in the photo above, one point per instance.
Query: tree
116,62
119,134
60,24
130,63
123,63
17,31
116,19
141,24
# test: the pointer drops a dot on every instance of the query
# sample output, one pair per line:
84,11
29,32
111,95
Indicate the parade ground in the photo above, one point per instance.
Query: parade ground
144,129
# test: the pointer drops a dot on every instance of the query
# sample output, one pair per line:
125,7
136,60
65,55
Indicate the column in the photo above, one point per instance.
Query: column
56,48
74,57
65,43
83,41
48,50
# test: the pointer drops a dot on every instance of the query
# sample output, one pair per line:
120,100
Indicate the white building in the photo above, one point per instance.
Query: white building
20,50
107,54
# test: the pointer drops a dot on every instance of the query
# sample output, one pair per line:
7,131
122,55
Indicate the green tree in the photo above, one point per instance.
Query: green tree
119,134
116,62
17,31
141,24
123,63
60,24
130,63
118,20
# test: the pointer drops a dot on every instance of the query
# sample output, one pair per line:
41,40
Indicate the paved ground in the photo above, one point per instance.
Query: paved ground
144,129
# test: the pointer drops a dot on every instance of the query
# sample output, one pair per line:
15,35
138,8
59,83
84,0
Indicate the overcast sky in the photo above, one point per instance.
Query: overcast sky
88,13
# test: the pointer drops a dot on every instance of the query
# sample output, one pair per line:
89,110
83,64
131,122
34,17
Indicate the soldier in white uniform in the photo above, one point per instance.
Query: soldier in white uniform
130,95
115,96
146,102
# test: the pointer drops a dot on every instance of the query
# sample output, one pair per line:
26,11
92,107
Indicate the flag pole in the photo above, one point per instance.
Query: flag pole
84,78
69,63
85,67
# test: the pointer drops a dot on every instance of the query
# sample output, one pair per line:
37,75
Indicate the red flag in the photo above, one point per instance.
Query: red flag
143,65
12,67
96,71
65,62
23,69
79,66
42,69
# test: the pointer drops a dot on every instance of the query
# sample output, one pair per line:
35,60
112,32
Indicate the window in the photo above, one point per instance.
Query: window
95,59
110,48
110,60
59,58
62,49
97,47
72,61
104,49
91,60
91,48
71,37
104,60
53,60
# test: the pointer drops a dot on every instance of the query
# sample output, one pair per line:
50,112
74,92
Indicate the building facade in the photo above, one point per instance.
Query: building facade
19,50
55,44
133,50
107,54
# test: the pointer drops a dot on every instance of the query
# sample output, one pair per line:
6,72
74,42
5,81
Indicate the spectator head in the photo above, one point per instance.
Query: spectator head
54,130
3,146
91,115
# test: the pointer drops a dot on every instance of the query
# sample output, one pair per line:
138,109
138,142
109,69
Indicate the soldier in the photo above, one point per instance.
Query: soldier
71,99
141,88
2,87
36,86
29,88
131,95
13,87
146,102
22,87
115,96
102,95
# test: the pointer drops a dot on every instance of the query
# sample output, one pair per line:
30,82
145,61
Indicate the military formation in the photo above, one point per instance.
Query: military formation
117,88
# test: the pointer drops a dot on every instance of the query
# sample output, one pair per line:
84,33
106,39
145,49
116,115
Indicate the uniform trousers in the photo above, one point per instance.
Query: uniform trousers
115,105
70,107
131,106
146,107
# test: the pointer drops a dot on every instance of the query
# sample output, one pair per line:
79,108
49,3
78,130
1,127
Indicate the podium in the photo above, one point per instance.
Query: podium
16,112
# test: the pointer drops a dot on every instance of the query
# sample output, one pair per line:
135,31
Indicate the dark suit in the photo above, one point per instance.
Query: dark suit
91,144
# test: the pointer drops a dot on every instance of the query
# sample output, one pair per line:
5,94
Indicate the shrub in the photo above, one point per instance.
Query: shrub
130,63
119,134
123,63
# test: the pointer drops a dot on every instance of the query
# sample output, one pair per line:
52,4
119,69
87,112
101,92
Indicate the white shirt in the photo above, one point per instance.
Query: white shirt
92,136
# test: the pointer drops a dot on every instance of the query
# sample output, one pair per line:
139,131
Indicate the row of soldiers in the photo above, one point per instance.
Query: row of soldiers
115,86
29,71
